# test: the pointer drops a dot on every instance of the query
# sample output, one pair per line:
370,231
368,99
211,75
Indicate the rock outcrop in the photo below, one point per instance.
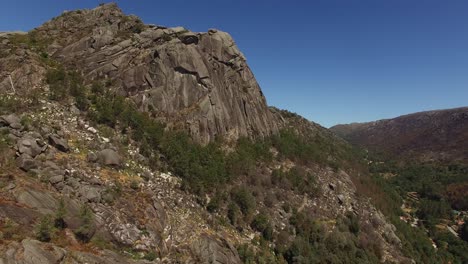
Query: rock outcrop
196,81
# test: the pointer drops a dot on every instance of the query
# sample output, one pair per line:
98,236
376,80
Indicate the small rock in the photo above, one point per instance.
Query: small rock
341,198
92,157
74,110
92,130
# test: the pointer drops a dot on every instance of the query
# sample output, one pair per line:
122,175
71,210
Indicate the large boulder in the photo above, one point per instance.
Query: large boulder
109,157
11,120
28,145
90,194
26,162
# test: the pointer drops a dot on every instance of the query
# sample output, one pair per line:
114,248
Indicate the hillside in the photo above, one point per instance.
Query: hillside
130,143
426,136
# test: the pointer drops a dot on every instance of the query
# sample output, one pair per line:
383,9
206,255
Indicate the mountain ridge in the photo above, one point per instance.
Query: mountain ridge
435,135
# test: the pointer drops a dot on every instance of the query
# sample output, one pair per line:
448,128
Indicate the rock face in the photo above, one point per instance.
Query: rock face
196,81
426,136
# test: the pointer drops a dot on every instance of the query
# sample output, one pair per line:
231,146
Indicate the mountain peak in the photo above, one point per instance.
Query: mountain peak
198,82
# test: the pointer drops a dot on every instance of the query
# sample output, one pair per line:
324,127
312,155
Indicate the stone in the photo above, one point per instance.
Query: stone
92,157
213,251
59,143
28,145
10,120
341,198
74,110
56,179
91,194
26,162
109,157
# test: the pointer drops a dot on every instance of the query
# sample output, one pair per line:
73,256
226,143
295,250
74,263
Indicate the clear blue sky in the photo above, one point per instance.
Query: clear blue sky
332,61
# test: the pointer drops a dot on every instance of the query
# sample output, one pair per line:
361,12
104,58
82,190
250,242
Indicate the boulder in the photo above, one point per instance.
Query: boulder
90,194
26,162
28,145
59,142
92,157
11,120
56,179
109,157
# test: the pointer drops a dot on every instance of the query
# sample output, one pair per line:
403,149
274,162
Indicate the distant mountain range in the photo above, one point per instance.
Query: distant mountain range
439,135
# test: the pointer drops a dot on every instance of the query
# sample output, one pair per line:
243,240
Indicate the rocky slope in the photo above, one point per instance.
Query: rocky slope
426,136
103,190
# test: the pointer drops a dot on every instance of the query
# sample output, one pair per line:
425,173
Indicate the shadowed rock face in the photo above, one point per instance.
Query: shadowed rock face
196,81
426,136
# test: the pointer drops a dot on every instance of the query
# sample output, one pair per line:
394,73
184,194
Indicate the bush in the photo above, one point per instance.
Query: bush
59,221
233,213
244,199
85,231
262,224
44,229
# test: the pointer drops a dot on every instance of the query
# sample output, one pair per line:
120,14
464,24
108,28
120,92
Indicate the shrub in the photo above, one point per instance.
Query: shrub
85,231
150,256
233,213
262,224
59,221
44,229
244,199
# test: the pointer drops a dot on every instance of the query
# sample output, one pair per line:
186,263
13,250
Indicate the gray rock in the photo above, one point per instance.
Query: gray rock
59,143
109,157
56,179
91,194
74,110
28,145
35,252
42,201
341,198
212,251
10,120
73,182
26,162
92,157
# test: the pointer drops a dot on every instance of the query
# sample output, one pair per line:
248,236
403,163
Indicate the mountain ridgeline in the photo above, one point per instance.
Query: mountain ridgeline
426,136
122,142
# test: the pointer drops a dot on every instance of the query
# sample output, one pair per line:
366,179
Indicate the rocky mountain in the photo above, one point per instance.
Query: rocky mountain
196,81
122,142
426,136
